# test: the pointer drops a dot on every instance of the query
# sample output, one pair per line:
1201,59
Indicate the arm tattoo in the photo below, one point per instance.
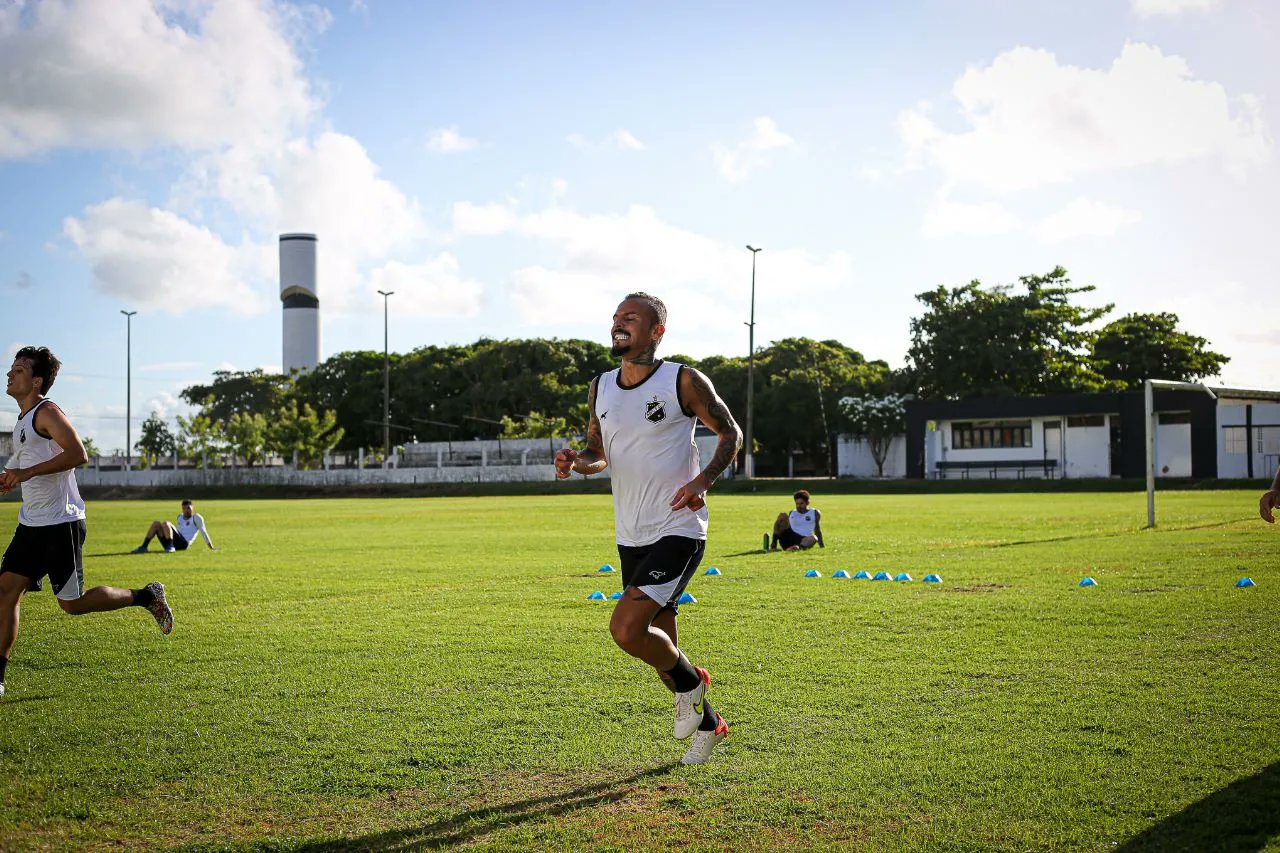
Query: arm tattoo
592,460
712,411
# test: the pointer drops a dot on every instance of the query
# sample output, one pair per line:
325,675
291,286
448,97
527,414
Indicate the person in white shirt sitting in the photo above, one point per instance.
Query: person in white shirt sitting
176,537
799,529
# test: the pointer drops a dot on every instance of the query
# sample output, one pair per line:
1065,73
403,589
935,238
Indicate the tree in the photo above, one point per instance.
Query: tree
309,433
876,420
239,391
156,440
199,438
246,435
975,342
1149,346
90,449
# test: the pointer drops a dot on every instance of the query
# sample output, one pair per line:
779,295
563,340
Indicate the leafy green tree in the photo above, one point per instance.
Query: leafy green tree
304,430
976,342
91,450
239,391
200,438
534,425
156,440
876,420
246,435
1149,346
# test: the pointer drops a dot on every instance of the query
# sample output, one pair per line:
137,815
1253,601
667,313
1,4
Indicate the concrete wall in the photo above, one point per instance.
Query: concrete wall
1173,450
287,476
1088,450
1264,445
853,458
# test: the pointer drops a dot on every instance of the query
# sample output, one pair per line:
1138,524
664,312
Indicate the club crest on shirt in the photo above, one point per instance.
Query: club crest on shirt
655,411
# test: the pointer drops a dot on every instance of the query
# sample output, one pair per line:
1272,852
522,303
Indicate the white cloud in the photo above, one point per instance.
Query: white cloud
1148,8
155,259
1085,218
435,288
737,161
577,140
559,189
1033,121
135,73
447,140
470,220
624,139
947,218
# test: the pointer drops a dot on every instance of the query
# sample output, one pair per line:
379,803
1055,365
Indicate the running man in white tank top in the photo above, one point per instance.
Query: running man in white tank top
51,529
642,419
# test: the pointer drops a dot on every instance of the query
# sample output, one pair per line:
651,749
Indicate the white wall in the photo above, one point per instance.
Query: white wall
1088,450
1173,450
1266,420
853,458
938,448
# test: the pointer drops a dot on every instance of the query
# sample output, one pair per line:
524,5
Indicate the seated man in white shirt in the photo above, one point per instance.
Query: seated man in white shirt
801,528
176,537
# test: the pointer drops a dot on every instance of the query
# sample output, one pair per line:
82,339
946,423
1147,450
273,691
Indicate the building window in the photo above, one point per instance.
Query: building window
971,435
1087,421
1236,440
1174,417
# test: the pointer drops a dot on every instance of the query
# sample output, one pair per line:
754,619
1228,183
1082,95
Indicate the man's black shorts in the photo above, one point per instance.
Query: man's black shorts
56,551
789,538
178,542
661,570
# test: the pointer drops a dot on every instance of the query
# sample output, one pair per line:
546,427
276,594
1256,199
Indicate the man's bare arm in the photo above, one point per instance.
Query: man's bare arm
592,460
704,403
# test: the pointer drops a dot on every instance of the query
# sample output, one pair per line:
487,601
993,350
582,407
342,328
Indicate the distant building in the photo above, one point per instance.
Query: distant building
1075,436
6,445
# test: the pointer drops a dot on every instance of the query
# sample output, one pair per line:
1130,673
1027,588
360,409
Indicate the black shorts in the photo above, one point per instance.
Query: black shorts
178,542
789,538
661,570
56,551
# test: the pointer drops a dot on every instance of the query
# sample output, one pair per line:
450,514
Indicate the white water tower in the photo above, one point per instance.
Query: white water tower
298,295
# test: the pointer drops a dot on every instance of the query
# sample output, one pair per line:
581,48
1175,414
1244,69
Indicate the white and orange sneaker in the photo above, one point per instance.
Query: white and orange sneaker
703,742
689,706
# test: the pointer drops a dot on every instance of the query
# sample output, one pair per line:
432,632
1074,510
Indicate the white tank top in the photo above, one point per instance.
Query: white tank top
648,441
802,523
49,498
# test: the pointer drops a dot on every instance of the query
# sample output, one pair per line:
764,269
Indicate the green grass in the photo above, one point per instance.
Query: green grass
421,673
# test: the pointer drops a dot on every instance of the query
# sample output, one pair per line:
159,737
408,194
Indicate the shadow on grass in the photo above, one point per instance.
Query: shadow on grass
1241,817
476,823
121,553
15,700
1115,535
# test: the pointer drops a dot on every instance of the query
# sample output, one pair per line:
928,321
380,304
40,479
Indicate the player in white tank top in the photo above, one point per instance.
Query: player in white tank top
642,419
799,529
51,528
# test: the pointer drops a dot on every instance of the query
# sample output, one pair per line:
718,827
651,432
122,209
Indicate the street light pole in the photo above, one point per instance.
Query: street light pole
128,385
749,461
386,383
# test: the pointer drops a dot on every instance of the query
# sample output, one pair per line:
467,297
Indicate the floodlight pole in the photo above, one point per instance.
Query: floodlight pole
386,384
1148,412
128,386
749,461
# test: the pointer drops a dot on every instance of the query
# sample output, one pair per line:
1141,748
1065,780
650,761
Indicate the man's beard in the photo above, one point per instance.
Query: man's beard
619,348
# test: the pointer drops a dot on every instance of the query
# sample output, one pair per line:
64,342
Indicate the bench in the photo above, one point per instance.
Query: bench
994,466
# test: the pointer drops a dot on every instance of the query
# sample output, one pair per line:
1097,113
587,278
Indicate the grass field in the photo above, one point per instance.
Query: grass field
413,674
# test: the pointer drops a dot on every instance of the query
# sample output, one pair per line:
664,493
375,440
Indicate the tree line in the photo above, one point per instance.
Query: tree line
1032,337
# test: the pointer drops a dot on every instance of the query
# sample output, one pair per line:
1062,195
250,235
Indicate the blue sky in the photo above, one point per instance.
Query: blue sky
512,169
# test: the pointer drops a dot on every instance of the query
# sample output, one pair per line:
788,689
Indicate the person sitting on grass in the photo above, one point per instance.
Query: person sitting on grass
177,537
799,529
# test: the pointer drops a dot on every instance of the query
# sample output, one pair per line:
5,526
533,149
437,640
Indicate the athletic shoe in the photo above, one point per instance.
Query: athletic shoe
141,549
159,607
169,549
689,706
703,742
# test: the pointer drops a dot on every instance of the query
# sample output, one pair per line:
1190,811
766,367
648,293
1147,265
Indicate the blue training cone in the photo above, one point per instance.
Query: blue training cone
861,575
902,576
606,568
881,576
1088,582
840,573
1245,582
932,578
813,573
712,571
614,596
686,598
596,596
